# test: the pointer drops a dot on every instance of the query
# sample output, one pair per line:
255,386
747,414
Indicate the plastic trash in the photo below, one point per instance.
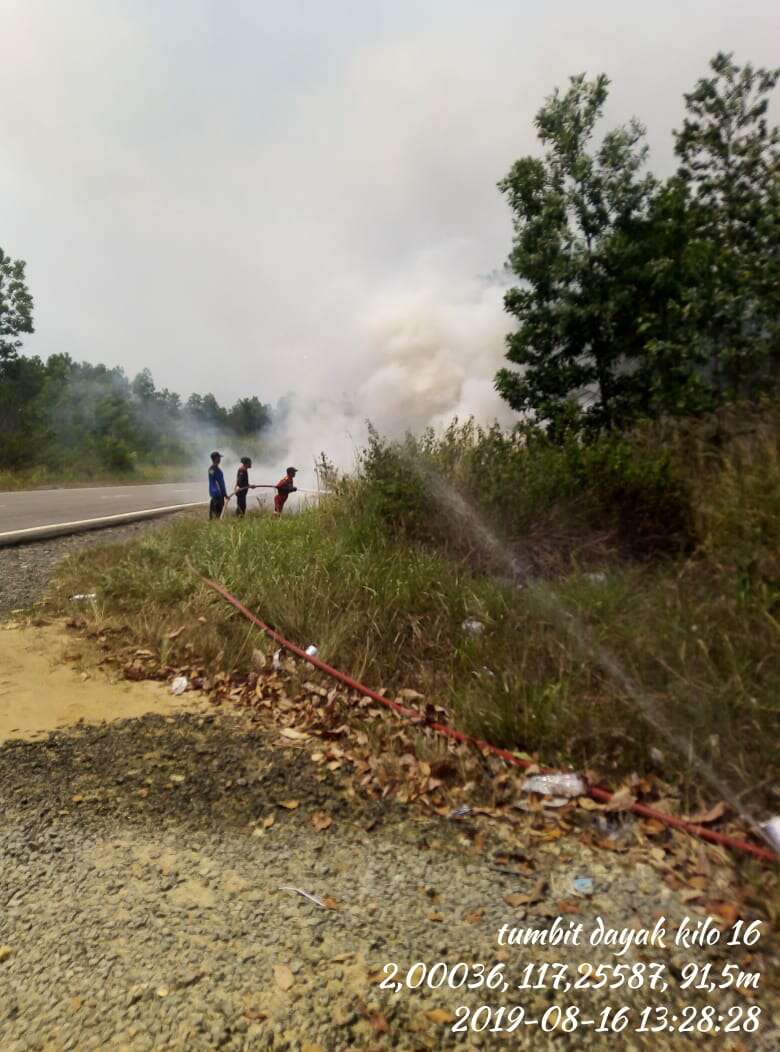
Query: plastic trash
473,627
299,891
460,812
556,785
772,831
179,685
583,885
311,650
276,661
85,595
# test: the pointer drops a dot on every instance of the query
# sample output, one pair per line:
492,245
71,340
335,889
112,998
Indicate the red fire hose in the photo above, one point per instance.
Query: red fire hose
594,791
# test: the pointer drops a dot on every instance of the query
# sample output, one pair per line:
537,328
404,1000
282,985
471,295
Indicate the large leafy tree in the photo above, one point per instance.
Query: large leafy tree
575,209
729,166
16,306
248,416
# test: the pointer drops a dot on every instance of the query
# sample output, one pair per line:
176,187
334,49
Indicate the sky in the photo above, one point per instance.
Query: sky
265,198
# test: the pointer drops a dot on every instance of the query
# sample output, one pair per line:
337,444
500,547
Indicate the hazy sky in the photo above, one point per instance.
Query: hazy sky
252,196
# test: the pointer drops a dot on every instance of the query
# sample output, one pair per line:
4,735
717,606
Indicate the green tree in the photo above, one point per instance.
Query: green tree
16,306
730,167
23,433
248,416
573,210
143,387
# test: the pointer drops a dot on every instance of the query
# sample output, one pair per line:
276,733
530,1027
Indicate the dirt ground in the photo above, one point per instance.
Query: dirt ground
47,681
153,859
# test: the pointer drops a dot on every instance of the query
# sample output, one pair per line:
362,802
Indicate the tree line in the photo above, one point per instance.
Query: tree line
636,297
639,297
60,414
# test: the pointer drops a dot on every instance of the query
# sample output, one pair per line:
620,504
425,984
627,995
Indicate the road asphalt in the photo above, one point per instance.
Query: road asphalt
23,510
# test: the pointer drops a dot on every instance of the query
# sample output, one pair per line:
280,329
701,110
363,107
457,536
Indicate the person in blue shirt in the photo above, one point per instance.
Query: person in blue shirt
217,491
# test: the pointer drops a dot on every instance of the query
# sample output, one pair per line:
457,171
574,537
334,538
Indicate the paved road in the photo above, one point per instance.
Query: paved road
45,507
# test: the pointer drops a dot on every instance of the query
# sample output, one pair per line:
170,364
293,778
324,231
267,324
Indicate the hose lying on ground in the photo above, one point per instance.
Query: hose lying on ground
594,791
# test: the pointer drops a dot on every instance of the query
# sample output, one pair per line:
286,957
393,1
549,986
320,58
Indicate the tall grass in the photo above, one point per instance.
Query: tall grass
382,581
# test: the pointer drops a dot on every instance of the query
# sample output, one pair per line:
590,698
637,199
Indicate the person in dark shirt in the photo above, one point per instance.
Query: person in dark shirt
242,485
217,491
284,487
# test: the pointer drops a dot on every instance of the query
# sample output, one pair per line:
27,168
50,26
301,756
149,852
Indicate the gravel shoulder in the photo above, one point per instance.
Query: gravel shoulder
26,569
152,869
143,877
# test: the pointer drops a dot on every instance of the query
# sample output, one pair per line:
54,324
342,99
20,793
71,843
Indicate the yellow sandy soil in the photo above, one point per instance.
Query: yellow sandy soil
49,679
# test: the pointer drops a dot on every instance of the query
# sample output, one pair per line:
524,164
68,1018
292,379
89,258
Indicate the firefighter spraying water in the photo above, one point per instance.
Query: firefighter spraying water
219,498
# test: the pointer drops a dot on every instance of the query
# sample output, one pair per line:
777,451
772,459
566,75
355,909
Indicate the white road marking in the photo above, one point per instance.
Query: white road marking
100,518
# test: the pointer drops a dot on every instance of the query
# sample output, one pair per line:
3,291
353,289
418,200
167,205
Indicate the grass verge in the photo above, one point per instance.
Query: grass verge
697,629
86,475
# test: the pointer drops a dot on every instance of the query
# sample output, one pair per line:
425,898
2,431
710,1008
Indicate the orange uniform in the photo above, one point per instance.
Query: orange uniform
284,487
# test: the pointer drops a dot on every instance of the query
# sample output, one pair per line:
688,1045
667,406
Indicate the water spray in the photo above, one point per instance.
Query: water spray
545,598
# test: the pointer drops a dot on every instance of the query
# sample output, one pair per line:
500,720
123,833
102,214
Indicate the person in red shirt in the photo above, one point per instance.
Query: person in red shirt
284,487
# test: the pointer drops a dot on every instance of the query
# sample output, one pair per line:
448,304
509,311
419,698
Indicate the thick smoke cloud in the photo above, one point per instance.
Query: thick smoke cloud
265,198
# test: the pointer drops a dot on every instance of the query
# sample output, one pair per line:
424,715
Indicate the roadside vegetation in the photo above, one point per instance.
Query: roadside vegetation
678,581
599,585
92,474
66,422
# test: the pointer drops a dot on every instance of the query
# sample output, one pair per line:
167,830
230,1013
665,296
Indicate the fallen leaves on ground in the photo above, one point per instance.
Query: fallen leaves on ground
705,817
386,758
534,895
622,800
440,1015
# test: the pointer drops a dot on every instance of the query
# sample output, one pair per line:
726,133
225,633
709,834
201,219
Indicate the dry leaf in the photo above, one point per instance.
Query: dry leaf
321,821
653,826
331,904
377,1021
76,799
727,911
691,894
268,821
714,813
440,1015
474,917
534,895
289,805
283,977
257,1017
176,632
407,694
587,803
293,734
436,918
622,800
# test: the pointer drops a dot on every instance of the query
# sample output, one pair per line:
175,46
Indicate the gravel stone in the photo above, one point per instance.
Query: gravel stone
123,910
26,569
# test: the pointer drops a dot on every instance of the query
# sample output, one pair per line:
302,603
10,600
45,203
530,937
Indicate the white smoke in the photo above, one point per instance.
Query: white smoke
426,351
